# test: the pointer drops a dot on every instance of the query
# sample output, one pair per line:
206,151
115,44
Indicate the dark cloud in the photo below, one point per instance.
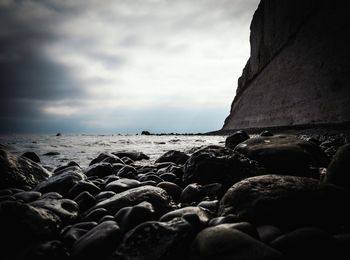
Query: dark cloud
28,77
59,54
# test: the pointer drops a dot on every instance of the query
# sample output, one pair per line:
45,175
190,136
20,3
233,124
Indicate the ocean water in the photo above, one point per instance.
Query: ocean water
83,148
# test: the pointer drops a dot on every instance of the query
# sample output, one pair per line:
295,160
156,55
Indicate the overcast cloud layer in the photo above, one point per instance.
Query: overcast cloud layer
120,66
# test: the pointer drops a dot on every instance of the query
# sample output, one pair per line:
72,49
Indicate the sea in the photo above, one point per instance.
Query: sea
82,148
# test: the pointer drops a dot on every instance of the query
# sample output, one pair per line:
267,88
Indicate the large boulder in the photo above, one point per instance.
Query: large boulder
221,165
284,154
97,243
23,225
154,240
338,171
154,195
62,181
287,202
66,209
19,171
307,243
100,170
173,156
225,242
236,138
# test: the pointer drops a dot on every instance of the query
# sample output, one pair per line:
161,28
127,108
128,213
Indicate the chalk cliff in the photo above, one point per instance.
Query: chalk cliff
299,68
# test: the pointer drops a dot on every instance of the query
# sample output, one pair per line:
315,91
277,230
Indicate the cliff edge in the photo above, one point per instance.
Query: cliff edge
299,69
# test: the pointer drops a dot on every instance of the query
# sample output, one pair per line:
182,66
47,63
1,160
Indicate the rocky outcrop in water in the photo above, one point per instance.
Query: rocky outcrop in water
298,70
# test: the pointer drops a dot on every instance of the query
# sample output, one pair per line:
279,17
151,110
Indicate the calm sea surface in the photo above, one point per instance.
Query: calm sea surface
83,148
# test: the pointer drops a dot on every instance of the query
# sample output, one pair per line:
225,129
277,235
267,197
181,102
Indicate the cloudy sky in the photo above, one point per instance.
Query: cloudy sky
118,66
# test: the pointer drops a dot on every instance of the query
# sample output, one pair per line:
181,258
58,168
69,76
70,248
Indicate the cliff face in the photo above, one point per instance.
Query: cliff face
299,68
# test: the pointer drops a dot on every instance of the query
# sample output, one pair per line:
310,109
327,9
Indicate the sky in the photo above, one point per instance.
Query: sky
120,66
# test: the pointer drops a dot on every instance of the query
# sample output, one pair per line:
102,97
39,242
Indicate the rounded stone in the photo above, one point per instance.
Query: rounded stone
226,243
236,138
338,171
286,202
284,154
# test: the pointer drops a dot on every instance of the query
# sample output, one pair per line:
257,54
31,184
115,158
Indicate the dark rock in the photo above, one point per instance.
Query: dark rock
127,160
220,165
176,170
246,228
122,184
70,164
100,170
72,168
156,241
7,198
59,134
164,165
286,202
343,242
170,177
109,179
268,233
27,196
86,225
104,195
16,172
266,133
94,215
112,160
117,166
145,133
192,193
307,243
338,171
85,201
130,217
226,242
172,189
149,183
211,205
62,181
213,190
22,225
53,250
202,214
106,218
173,156
66,209
236,138
284,154
32,156
97,243
151,177
70,234
135,156
154,195
6,192
51,154
82,186
127,172
228,219
106,157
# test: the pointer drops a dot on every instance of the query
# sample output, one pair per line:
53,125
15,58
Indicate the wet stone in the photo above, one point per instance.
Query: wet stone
97,243
154,240
154,195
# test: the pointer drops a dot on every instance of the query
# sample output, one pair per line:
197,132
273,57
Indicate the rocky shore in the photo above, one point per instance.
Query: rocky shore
266,197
